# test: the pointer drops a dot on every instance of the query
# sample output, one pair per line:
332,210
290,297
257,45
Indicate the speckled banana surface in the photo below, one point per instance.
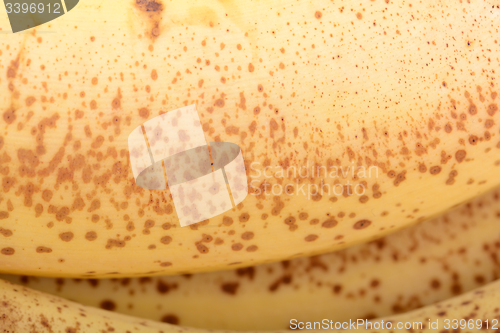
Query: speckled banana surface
439,259
354,119
26,310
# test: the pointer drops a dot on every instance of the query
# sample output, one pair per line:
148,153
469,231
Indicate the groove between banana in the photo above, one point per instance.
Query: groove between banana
46,313
415,267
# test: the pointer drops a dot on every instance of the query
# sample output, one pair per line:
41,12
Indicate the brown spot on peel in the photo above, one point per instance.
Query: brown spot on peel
434,170
91,236
460,155
311,238
8,251
66,236
362,224
43,249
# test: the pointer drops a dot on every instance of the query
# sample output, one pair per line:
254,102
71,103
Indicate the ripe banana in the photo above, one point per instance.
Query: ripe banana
354,120
27,310
439,259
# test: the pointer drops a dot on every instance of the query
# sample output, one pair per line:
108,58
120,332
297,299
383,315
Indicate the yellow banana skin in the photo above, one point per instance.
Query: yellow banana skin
409,94
439,259
26,310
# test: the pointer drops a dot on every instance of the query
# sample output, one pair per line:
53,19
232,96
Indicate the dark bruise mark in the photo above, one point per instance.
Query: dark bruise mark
287,279
149,5
164,288
93,282
230,287
170,319
108,305
152,10
45,323
248,271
